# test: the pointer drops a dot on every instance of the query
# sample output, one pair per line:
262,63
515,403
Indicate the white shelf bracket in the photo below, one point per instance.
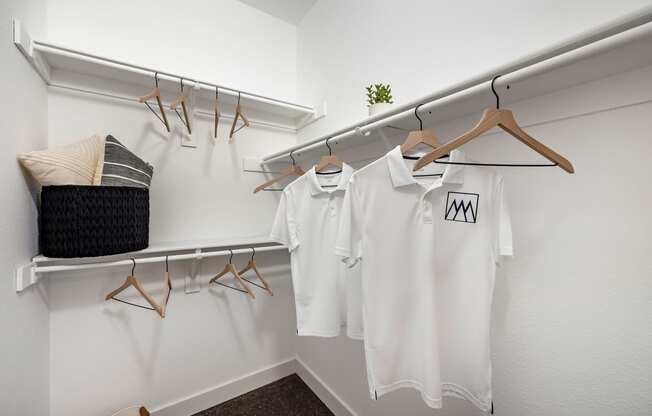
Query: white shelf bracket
25,276
25,45
193,272
320,112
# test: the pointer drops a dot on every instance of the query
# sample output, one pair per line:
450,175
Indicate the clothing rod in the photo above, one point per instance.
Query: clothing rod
516,76
92,58
557,55
205,113
146,260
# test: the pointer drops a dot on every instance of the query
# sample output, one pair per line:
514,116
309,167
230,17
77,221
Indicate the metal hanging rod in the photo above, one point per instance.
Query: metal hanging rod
255,123
611,35
47,47
29,274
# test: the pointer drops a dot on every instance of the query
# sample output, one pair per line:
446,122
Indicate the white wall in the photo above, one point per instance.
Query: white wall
113,355
106,356
208,338
423,45
24,318
223,41
569,329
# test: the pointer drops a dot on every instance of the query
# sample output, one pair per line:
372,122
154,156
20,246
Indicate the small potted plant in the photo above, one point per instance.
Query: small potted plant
379,98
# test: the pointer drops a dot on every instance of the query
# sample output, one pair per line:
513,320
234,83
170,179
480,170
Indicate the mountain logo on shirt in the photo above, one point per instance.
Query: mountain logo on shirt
461,207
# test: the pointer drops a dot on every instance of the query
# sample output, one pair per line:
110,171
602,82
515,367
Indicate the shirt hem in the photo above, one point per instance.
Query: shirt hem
342,252
382,390
507,251
358,336
323,334
457,391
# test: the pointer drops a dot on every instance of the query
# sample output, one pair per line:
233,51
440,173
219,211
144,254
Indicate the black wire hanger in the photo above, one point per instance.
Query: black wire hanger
133,269
168,284
424,175
230,268
294,169
519,165
330,154
252,265
516,165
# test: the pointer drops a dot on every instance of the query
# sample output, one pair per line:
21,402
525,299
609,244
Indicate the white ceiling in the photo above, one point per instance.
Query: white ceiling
292,11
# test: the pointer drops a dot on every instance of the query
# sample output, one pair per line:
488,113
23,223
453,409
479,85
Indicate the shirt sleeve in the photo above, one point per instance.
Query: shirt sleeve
284,229
503,244
349,239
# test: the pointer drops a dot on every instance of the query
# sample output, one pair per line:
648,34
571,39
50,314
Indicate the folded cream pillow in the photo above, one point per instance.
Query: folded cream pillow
75,164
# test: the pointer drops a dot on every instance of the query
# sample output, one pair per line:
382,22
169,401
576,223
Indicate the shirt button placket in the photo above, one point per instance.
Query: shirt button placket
426,208
331,204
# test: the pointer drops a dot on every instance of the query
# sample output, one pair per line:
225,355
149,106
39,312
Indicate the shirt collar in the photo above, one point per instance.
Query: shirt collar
315,186
401,174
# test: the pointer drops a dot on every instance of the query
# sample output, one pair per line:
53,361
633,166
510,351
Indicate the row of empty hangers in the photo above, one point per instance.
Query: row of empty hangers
491,117
161,308
182,101
296,170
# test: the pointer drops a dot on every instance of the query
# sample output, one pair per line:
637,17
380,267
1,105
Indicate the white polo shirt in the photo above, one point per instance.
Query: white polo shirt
428,248
327,293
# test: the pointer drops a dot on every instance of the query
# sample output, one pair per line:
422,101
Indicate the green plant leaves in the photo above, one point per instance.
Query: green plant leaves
379,93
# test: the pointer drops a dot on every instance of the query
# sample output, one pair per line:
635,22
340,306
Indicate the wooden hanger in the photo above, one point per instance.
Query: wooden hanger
421,136
230,268
240,114
251,265
133,281
156,93
181,99
496,117
216,110
293,169
328,160
167,290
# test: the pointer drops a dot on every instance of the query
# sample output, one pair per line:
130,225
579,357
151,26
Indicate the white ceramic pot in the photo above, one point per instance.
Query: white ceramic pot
378,108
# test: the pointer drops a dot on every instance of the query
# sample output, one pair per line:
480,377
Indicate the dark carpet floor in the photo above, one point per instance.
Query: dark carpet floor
289,396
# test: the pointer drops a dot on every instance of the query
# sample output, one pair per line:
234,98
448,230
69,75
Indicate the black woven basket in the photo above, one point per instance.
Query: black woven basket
89,221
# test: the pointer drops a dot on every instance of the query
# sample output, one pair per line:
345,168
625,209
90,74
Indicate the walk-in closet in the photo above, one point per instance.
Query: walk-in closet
326,207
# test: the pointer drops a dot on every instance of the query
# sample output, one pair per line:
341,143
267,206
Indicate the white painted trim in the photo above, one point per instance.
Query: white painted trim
326,394
226,391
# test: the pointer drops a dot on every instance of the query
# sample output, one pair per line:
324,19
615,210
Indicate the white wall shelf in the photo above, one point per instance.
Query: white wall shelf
55,63
29,274
621,45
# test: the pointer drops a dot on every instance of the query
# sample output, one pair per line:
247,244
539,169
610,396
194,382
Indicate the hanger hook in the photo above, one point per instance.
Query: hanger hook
156,78
230,256
294,162
330,151
181,85
238,97
416,114
493,89
253,253
217,91
166,264
133,268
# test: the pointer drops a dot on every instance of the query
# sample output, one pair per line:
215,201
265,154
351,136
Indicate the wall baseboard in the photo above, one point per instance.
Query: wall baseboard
227,391
234,388
323,391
